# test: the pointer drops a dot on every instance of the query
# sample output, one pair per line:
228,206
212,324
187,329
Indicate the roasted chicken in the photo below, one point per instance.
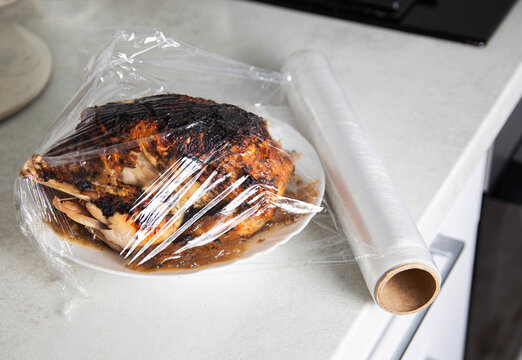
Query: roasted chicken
166,170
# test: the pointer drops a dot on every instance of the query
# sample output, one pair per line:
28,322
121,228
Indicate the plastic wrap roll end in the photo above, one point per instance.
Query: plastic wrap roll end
407,288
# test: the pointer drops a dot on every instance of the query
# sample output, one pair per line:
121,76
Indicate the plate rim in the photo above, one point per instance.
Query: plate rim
305,220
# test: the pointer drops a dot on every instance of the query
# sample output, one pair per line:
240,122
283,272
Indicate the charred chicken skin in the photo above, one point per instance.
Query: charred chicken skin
166,170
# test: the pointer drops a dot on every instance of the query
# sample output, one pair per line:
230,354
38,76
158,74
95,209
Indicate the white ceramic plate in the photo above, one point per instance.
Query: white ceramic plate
308,167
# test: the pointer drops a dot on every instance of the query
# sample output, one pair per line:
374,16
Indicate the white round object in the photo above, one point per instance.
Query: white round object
25,67
308,167
4,4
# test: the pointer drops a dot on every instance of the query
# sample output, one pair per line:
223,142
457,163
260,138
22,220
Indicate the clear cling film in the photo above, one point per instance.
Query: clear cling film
405,278
168,182
169,160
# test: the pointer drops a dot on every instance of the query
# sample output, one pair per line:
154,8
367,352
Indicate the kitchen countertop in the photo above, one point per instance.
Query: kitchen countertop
432,108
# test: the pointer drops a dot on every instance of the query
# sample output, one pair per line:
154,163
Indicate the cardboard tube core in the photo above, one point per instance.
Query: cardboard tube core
407,288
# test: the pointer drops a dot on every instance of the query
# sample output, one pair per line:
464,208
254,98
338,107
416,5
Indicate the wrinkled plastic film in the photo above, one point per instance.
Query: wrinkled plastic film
167,181
404,278
152,180
170,159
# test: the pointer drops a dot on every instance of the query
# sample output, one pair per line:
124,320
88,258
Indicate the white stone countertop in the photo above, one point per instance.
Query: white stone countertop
432,108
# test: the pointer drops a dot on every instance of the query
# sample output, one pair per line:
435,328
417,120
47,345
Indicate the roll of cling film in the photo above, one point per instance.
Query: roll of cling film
404,278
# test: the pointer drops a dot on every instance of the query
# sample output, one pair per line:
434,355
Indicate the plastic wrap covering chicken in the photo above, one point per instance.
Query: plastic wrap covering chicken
155,177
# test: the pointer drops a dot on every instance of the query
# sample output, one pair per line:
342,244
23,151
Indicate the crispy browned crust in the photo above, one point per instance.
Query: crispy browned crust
166,128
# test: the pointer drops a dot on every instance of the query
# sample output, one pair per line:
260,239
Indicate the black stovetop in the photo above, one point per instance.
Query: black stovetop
469,21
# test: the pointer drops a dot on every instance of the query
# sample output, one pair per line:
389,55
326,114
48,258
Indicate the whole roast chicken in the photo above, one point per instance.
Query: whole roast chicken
165,170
